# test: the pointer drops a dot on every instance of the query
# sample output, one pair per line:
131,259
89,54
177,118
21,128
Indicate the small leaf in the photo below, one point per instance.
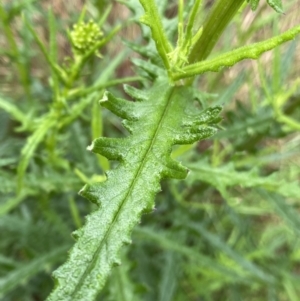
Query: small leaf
253,4
276,5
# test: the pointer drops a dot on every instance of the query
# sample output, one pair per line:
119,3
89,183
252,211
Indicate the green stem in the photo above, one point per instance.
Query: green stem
221,14
81,92
75,213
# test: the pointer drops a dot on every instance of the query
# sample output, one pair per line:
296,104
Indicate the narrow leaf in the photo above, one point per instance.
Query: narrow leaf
54,66
285,210
31,145
153,20
13,110
276,5
226,176
217,243
231,58
122,287
169,279
202,260
26,271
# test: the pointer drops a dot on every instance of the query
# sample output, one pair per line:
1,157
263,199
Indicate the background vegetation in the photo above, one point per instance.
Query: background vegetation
229,232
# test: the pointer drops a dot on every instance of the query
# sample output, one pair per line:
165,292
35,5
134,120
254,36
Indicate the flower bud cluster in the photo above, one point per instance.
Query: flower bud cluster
85,36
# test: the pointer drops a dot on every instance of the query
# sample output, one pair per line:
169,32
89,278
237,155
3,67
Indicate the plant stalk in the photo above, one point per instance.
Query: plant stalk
221,14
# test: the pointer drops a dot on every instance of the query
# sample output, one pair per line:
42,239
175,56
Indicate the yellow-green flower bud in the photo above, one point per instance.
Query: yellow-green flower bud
85,36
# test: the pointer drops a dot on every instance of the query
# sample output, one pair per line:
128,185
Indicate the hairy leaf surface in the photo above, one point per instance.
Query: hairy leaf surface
161,117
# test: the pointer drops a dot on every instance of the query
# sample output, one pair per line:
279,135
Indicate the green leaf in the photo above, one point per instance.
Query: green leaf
202,260
153,20
227,176
26,271
32,143
15,112
55,68
162,117
230,58
122,288
253,4
169,279
247,265
275,4
8,205
287,212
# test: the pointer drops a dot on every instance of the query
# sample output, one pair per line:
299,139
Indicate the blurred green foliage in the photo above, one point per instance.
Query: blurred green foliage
230,232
